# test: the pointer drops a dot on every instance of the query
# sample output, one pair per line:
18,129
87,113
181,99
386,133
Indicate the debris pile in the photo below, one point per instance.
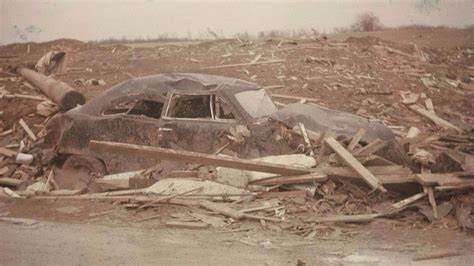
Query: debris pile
424,173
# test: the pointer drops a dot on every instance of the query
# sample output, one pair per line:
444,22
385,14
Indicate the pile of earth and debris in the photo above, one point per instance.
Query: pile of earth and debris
423,172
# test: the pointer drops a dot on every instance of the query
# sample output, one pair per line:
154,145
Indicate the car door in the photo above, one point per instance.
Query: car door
197,121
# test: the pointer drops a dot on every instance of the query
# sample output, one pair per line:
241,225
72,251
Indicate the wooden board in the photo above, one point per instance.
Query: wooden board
222,209
7,152
449,179
195,157
299,179
187,225
434,118
369,178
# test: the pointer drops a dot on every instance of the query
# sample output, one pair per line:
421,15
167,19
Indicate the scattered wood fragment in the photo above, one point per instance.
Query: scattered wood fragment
283,194
359,218
10,181
170,197
222,208
11,193
434,118
437,255
432,200
246,64
7,152
355,140
187,225
194,157
429,105
22,96
370,179
306,138
27,129
405,202
299,179
371,148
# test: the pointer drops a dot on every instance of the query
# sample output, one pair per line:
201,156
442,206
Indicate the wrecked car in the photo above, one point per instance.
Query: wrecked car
194,112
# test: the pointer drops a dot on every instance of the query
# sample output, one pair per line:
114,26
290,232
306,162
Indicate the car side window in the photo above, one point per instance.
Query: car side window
147,108
208,106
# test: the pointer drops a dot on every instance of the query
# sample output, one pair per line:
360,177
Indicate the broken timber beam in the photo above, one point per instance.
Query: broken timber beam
283,180
434,118
292,97
246,64
369,178
195,157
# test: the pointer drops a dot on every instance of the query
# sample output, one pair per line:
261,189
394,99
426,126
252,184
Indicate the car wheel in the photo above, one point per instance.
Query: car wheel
84,164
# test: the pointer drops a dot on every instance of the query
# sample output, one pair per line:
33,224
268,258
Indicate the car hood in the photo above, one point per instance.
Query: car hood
321,119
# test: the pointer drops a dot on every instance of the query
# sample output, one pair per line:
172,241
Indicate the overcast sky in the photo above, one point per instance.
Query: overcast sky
40,20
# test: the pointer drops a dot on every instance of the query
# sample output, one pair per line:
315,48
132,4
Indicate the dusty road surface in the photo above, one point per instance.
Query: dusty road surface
99,233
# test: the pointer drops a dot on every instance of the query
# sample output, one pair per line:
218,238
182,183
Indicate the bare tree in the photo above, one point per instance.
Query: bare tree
366,22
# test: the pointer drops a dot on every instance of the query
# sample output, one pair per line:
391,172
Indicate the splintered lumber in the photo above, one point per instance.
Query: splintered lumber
408,201
371,148
7,152
437,255
434,118
187,225
369,178
170,197
222,209
27,129
10,181
306,138
355,140
299,179
283,194
23,96
59,92
447,179
195,157
291,97
359,218
247,64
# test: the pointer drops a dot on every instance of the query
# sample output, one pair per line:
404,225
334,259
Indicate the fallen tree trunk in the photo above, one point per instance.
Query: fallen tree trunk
59,92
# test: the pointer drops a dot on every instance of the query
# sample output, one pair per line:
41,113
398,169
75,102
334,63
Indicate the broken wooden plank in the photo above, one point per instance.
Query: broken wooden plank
10,181
429,105
437,255
170,197
371,148
27,129
283,180
432,200
306,138
7,152
355,140
408,201
434,118
358,218
446,179
283,194
246,64
22,96
370,179
187,225
222,208
194,157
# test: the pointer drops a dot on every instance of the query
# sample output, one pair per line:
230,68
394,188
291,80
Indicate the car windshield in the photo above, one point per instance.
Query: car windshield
256,103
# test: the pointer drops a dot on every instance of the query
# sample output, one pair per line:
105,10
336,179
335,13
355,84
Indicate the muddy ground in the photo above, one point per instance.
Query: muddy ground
95,232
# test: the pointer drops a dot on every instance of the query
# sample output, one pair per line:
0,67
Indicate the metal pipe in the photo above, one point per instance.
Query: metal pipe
59,92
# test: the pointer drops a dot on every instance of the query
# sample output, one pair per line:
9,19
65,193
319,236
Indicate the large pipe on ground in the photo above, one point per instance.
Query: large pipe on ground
58,91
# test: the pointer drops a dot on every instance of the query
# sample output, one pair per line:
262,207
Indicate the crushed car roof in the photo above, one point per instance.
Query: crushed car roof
159,85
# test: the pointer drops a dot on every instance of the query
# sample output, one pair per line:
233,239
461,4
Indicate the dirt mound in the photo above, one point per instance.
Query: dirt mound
64,44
